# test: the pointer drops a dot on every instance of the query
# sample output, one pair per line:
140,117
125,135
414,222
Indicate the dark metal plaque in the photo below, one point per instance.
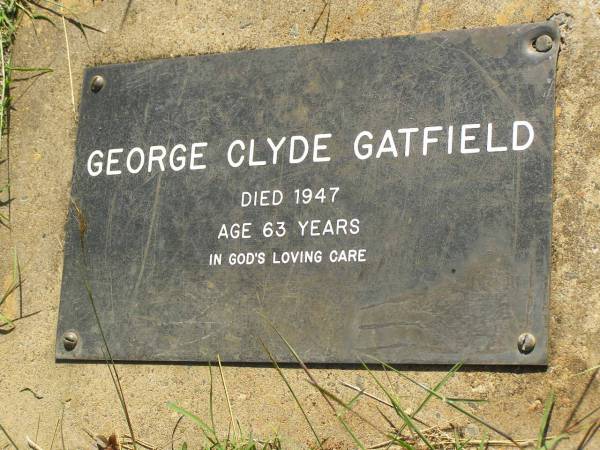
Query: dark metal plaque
386,197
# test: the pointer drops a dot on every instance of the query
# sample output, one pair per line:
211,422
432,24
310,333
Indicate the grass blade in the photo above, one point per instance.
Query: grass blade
466,400
552,443
313,381
591,369
6,324
405,417
348,408
72,20
451,404
79,215
62,434
436,388
541,441
589,435
231,418
4,98
340,402
206,430
31,69
296,399
10,439
584,418
484,443
299,360
175,431
16,279
351,433
211,403
567,426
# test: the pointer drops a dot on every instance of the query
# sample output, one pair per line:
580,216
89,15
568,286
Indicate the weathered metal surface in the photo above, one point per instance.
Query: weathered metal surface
453,244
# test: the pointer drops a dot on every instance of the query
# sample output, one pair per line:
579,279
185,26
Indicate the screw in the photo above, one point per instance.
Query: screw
543,43
526,343
70,339
97,83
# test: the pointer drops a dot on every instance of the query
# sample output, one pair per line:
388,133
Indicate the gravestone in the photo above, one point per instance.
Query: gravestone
384,197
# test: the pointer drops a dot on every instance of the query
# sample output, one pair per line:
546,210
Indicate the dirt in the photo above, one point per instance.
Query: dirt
41,145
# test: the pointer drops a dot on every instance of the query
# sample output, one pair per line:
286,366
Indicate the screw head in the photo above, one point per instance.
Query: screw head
70,340
543,43
97,83
526,343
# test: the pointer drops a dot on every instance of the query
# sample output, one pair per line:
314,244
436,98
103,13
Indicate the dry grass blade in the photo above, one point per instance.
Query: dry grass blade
210,400
401,413
589,435
591,369
110,363
584,393
388,420
69,64
5,78
72,20
296,399
348,408
378,399
438,387
112,369
54,434
231,417
313,381
326,6
147,445
82,223
366,394
174,431
32,444
451,404
62,434
129,3
10,439
37,429
327,21
15,278
583,419
14,285
316,22
299,360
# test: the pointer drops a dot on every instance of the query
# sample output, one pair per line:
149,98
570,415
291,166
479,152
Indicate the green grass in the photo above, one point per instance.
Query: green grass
235,441
7,324
406,428
402,426
12,12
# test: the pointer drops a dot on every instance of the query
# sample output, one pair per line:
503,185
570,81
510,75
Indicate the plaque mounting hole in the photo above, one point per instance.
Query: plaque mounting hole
97,83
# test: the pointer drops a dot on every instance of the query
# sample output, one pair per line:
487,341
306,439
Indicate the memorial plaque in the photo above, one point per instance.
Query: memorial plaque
386,197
